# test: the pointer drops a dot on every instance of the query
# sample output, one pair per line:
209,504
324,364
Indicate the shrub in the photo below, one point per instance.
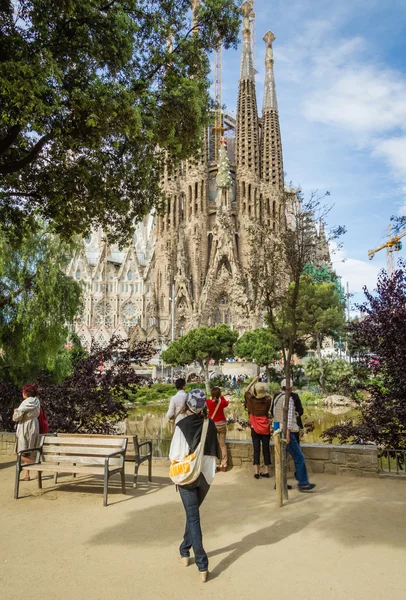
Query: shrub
307,397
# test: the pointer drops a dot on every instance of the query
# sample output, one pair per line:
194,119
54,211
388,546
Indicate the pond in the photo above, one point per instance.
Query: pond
148,422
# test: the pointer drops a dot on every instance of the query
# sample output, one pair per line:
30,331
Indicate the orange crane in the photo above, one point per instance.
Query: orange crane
393,244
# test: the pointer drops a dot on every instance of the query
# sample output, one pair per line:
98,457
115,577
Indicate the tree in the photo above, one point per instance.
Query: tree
202,345
89,91
320,314
38,302
382,331
91,399
259,346
277,263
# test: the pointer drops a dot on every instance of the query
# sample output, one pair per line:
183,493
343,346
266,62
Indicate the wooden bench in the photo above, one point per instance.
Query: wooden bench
134,451
79,454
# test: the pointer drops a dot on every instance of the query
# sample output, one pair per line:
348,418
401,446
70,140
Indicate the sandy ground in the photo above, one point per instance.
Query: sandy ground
345,542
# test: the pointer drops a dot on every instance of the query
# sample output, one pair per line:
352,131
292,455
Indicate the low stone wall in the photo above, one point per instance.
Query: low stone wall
7,443
320,458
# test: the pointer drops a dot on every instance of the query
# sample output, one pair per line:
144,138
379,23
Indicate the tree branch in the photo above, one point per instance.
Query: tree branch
20,164
10,138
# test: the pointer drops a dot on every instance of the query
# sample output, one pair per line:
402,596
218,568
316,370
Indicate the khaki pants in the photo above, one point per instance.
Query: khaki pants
221,427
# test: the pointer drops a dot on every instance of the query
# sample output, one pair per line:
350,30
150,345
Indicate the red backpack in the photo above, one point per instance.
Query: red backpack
43,421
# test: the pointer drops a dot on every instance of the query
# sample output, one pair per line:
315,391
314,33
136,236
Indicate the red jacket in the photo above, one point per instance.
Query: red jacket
212,405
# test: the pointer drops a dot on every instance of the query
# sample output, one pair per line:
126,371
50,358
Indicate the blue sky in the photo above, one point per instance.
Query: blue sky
340,72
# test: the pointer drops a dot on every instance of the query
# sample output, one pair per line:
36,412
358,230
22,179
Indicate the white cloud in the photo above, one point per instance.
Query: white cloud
360,98
358,273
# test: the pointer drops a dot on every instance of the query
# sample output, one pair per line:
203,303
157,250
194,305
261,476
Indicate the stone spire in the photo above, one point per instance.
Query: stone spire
271,143
247,145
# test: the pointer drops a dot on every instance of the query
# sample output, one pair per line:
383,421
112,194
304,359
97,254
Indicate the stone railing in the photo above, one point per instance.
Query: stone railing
320,458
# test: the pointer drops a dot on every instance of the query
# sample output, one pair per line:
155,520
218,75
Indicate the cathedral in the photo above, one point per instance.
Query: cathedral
195,254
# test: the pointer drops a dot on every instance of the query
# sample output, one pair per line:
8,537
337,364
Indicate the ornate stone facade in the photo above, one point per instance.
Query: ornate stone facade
201,247
116,284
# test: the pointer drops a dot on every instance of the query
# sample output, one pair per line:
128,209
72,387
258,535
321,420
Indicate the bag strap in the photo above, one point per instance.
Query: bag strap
204,434
180,411
217,407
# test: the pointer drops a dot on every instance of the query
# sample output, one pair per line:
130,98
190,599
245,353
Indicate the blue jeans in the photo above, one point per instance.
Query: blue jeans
192,496
298,458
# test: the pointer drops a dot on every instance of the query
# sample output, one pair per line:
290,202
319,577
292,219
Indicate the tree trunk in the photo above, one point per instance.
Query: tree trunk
320,361
268,374
205,365
258,370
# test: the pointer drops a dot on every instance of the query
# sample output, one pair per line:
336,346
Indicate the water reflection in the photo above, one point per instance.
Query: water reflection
148,422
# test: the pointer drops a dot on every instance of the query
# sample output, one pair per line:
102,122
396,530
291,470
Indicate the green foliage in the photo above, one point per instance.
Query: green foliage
146,394
334,372
320,310
259,346
337,370
307,397
223,178
221,381
324,274
201,345
37,304
89,91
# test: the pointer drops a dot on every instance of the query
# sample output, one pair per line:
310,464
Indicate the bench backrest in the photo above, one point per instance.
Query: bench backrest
82,449
132,447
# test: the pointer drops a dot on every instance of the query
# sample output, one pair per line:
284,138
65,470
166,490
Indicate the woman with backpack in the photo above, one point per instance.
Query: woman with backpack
194,435
26,417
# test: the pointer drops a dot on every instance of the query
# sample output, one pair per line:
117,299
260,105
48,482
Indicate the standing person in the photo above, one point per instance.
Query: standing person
26,415
292,444
177,402
258,405
216,407
185,440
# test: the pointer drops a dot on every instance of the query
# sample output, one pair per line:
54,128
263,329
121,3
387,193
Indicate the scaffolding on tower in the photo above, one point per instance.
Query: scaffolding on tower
218,128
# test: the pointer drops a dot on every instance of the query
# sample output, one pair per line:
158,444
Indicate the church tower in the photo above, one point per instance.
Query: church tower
202,247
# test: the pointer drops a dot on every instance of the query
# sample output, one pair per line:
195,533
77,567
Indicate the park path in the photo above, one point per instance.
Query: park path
345,542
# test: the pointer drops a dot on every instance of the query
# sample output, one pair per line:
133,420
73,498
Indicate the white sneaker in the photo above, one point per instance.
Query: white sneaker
184,560
203,576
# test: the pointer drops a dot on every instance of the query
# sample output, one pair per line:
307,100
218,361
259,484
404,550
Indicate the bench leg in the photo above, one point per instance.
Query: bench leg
17,483
122,481
40,480
56,478
136,467
150,469
106,483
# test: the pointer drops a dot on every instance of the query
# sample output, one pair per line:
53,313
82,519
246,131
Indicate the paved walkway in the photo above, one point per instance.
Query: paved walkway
345,542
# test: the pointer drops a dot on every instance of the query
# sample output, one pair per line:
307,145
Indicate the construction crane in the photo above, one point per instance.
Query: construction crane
393,244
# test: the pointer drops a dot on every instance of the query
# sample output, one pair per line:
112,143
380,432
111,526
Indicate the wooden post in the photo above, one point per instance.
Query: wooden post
278,467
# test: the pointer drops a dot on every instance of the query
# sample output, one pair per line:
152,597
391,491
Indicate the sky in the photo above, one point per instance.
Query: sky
340,71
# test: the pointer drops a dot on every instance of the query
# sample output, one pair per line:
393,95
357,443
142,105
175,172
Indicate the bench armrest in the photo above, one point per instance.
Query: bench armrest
21,452
118,453
149,443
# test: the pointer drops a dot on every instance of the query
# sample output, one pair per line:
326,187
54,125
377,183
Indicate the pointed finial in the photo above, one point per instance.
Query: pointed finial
270,101
247,66
269,39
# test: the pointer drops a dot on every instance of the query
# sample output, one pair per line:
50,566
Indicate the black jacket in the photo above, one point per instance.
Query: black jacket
192,426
